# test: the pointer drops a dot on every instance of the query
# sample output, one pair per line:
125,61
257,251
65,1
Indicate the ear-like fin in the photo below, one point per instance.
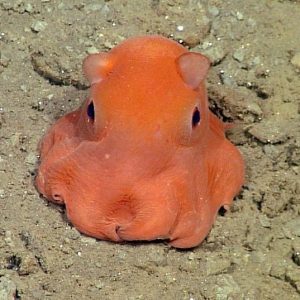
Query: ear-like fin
193,68
96,67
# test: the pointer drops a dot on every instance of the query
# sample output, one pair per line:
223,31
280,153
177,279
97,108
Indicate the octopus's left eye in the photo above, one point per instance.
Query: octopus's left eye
196,117
91,111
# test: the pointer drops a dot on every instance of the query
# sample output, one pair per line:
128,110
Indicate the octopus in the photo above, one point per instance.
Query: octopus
143,158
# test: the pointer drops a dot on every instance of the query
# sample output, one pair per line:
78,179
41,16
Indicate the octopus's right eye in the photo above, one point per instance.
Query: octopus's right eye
91,111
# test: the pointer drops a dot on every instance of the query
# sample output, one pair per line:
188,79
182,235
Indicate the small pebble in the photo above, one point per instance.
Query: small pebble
192,40
264,221
216,54
28,7
239,16
88,240
99,285
191,256
38,26
31,159
8,239
28,265
180,28
214,11
295,61
108,45
254,108
256,61
24,88
68,263
73,234
227,79
239,54
121,254
169,279
4,61
92,50
206,45
38,105
293,227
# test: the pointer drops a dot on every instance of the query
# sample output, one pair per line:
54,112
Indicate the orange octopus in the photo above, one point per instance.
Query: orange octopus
143,158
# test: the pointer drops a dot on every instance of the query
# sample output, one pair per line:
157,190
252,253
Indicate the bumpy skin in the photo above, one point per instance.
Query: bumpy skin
131,163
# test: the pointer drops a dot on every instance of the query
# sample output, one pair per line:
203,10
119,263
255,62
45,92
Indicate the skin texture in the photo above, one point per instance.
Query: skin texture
143,158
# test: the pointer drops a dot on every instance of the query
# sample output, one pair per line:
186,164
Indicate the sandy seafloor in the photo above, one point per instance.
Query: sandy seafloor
253,250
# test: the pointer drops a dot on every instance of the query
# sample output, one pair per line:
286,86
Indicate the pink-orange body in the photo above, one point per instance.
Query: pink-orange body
143,158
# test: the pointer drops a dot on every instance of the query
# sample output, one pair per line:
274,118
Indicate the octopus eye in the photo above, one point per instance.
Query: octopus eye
91,111
196,117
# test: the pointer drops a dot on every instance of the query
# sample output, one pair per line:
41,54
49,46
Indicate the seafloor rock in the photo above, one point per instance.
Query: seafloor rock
8,289
271,131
